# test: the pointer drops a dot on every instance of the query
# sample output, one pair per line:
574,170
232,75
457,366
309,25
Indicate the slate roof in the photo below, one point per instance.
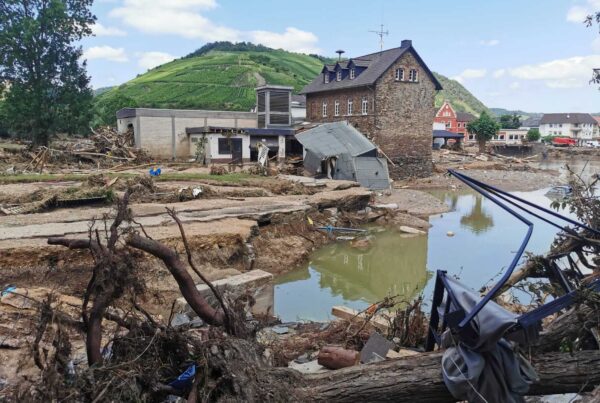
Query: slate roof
333,139
300,99
531,122
574,118
376,65
464,117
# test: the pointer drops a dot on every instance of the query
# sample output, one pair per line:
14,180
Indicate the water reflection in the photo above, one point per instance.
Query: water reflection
478,220
484,242
393,264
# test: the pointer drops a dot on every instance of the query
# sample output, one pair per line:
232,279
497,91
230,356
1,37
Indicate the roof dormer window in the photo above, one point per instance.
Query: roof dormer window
352,73
326,77
338,75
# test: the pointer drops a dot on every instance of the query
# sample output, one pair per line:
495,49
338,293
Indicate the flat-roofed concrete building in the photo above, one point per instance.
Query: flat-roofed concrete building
227,136
162,132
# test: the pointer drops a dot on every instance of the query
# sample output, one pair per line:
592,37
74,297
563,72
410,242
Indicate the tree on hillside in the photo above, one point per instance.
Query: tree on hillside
533,135
107,105
510,121
484,128
49,88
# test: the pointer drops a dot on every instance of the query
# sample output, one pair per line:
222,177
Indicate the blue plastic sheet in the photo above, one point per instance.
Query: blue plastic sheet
186,379
8,290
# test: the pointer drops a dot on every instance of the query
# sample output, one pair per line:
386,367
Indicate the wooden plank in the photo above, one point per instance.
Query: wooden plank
379,322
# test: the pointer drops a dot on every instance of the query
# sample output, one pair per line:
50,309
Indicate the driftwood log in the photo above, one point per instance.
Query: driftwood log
419,379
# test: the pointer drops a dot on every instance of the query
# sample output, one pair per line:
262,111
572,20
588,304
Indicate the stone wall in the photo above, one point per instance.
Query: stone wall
405,112
399,120
364,123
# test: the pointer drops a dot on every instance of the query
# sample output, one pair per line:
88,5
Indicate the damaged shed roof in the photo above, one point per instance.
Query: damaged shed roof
332,139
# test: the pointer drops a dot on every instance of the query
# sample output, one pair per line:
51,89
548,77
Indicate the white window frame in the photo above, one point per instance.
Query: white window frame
364,107
336,108
338,75
327,78
399,76
352,73
350,107
324,109
413,75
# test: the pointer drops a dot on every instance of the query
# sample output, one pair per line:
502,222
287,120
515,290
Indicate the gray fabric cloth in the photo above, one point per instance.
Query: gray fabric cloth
486,369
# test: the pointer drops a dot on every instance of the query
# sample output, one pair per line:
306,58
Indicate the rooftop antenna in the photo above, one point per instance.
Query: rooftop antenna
340,52
381,33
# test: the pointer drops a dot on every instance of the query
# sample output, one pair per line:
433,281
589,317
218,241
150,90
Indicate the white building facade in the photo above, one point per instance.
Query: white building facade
581,127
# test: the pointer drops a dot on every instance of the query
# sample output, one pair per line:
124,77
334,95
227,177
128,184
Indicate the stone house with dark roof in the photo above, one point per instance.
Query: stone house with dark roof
389,97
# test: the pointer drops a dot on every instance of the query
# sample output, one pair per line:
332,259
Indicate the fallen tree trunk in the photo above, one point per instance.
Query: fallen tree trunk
419,379
574,324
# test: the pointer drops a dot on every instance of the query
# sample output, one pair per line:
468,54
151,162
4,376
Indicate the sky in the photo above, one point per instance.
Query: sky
532,55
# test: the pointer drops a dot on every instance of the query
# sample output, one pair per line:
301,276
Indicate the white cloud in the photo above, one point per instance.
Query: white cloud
515,85
100,30
499,73
107,53
293,39
186,18
578,13
470,74
561,73
149,60
491,42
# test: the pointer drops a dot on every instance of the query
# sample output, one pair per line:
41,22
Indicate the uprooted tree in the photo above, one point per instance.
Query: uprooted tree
145,354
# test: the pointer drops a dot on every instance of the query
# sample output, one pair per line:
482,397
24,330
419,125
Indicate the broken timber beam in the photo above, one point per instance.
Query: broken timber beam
419,379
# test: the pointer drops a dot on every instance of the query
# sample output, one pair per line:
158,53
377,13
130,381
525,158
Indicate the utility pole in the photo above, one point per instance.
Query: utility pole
381,33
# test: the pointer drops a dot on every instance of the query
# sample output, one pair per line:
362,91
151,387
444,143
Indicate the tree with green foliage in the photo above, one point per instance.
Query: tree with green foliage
106,107
510,121
589,21
533,135
49,89
484,128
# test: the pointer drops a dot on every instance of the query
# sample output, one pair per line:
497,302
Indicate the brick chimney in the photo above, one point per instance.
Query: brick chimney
406,43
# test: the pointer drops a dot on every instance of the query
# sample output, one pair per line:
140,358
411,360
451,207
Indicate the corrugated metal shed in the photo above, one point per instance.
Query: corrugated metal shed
331,139
352,156
372,172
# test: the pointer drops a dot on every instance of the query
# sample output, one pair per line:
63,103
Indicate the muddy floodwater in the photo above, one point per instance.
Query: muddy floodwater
485,238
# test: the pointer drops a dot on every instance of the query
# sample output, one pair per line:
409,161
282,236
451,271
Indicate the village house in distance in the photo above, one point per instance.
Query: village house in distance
389,97
455,122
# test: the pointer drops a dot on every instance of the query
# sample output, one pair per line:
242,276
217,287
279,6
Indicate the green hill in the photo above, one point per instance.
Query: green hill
460,98
222,76
217,79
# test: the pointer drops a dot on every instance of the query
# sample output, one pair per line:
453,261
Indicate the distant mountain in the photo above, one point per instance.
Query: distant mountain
102,90
223,75
460,98
524,115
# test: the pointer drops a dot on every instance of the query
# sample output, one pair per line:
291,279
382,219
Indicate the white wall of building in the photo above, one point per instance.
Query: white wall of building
584,131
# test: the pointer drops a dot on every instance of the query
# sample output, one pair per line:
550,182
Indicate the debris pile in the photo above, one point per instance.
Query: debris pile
106,142
445,159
